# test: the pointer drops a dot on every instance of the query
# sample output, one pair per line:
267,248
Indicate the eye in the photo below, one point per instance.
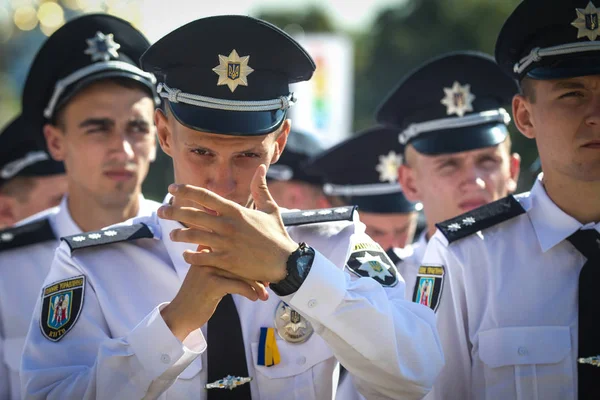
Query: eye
200,152
574,94
489,161
448,164
250,155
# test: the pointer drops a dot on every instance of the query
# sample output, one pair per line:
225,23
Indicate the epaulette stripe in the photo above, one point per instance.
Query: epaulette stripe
25,235
107,236
481,218
316,216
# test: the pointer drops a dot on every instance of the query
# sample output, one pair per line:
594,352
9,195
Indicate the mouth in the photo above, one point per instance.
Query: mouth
469,205
119,175
594,144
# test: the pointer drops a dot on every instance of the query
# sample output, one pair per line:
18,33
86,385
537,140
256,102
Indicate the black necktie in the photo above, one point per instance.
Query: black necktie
588,376
226,353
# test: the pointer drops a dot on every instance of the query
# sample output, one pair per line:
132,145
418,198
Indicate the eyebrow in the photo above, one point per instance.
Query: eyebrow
97,121
254,149
568,85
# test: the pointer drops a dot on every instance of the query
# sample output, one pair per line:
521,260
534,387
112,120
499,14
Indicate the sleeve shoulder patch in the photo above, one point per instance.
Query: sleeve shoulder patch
368,260
116,234
429,285
304,217
24,235
481,218
62,303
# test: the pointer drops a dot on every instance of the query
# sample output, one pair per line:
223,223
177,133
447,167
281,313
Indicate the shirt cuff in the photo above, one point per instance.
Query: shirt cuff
321,292
159,351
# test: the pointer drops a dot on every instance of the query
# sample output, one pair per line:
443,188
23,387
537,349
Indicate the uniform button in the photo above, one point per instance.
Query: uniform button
522,351
312,303
301,360
165,358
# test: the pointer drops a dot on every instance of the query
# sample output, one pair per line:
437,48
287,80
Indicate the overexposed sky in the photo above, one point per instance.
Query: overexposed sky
162,16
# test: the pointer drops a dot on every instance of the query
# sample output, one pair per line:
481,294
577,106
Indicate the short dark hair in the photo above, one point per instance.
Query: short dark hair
528,89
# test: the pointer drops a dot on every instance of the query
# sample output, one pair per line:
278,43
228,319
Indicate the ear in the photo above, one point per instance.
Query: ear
407,179
55,140
515,169
163,131
281,140
521,108
7,210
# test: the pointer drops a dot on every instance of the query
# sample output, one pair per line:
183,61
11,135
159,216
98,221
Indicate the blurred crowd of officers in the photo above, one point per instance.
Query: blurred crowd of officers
397,264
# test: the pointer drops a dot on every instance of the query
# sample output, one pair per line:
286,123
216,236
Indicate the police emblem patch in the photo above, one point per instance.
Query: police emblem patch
369,260
291,326
61,305
429,285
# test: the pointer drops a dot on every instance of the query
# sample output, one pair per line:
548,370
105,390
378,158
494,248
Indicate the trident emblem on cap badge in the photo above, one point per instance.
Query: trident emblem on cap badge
458,99
233,70
102,47
587,22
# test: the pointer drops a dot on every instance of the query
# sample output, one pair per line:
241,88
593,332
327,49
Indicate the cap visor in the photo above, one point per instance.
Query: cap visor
236,123
583,65
458,140
383,204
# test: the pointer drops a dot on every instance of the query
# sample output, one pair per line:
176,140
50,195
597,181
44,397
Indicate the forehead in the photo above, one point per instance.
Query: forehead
111,96
463,154
580,82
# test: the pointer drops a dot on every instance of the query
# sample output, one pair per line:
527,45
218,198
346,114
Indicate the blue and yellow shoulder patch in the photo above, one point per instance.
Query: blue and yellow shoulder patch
24,235
117,234
304,217
481,218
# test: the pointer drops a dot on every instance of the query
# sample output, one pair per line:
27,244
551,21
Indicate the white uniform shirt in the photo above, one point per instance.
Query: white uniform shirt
411,257
121,348
508,311
22,274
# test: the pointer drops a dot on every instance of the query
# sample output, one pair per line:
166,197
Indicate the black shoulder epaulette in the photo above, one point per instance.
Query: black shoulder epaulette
117,234
393,256
481,218
24,235
315,216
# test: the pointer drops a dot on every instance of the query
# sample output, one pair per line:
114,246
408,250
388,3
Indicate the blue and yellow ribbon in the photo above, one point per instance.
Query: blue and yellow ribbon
268,353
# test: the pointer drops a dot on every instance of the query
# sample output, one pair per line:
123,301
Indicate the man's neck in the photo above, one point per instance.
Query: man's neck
579,199
89,215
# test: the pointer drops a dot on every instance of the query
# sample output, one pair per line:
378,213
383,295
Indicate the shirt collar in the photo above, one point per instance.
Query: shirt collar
175,249
551,224
64,225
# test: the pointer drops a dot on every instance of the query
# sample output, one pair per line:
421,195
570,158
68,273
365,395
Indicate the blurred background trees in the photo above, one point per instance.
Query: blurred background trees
401,37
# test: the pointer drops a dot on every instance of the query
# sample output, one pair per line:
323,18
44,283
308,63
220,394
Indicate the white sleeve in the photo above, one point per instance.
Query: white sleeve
87,363
4,372
454,381
389,345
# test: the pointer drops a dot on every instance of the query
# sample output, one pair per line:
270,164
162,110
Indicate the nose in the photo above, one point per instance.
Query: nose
221,179
473,178
121,148
593,118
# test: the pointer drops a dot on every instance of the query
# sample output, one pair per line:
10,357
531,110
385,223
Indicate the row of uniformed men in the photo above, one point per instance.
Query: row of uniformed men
455,157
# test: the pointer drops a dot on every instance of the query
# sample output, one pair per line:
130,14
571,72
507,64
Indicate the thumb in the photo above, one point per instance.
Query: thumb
260,192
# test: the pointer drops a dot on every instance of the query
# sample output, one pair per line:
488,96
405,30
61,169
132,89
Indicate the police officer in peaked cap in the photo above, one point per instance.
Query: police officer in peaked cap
223,299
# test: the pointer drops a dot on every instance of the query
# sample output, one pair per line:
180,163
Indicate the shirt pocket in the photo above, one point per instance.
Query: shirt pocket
527,363
295,377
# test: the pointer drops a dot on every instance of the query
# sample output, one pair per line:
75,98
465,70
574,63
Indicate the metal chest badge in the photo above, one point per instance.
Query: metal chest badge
587,22
291,326
61,305
229,382
233,70
429,285
458,99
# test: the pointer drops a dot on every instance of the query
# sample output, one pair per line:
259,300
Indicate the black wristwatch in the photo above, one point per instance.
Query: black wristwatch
298,266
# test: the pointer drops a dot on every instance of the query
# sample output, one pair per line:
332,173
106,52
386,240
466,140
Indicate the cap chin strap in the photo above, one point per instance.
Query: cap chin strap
374,189
177,96
537,53
62,84
413,130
